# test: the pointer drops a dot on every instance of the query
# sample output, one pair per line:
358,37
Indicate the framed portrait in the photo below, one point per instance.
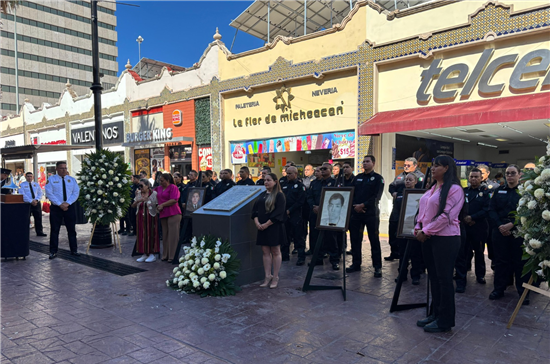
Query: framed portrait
335,208
195,200
409,208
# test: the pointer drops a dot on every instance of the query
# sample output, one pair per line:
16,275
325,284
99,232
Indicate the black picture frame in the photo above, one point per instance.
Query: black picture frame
409,208
344,211
189,203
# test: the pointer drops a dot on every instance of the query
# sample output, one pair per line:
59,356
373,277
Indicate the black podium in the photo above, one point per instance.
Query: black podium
229,217
15,222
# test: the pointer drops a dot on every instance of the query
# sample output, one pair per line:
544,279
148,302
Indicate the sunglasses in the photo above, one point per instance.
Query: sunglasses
141,186
323,168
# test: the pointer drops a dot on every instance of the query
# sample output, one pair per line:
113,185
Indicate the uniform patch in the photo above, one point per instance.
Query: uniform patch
502,191
372,178
296,185
490,186
480,194
359,180
420,179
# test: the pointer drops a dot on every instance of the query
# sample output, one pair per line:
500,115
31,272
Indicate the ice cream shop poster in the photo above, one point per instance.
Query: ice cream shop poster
342,145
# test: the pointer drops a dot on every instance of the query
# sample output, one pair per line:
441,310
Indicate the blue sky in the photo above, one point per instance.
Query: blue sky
177,32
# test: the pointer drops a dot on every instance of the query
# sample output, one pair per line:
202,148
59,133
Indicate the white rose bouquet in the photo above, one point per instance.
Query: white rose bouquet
533,217
209,267
103,201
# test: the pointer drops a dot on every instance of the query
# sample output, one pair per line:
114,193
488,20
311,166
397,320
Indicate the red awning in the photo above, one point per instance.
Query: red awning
506,109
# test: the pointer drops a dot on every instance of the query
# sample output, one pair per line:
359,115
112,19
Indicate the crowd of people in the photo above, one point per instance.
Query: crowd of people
453,224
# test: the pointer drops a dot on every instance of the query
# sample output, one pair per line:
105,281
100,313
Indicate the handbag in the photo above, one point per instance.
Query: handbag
46,207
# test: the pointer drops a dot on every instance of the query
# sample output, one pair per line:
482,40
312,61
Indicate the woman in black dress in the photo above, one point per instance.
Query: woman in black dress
269,215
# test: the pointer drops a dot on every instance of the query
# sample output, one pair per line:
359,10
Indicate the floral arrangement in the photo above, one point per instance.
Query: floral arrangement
533,218
208,268
104,187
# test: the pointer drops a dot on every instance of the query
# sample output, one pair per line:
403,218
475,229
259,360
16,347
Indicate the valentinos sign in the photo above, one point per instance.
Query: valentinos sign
529,70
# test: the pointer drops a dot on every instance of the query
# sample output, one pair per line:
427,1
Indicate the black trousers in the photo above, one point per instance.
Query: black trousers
415,257
461,263
36,212
131,219
508,260
124,223
393,240
476,250
294,231
356,228
57,216
440,254
330,244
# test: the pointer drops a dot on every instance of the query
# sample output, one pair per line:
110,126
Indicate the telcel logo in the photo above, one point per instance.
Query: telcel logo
524,78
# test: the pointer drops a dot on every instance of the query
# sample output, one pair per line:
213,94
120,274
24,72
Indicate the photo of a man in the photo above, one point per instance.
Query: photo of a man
335,209
195,200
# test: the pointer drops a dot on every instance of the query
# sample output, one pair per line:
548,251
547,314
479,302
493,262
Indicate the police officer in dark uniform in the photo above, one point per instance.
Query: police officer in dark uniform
477,227
491,187
397,187
369,186
507,248
225,183
209,185
314,200
5,173
295,193
264,172
284,179
347,176
308,177
245,180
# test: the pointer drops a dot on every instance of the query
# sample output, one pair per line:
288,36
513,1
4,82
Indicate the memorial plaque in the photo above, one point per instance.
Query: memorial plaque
232,198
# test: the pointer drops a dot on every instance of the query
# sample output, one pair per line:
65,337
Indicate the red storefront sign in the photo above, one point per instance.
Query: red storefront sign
205,159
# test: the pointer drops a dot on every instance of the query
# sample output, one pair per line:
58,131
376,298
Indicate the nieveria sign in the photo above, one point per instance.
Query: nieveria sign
525,77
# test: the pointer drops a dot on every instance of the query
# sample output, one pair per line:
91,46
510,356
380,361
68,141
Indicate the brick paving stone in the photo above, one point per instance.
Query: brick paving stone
64,312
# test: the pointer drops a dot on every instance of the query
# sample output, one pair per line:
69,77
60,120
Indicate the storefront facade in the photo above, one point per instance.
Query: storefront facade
306,121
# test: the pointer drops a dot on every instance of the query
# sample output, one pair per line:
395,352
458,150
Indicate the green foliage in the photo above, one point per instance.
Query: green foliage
209,268
104,186
202,121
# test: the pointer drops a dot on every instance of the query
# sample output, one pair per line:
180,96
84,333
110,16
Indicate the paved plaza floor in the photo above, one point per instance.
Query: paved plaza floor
59,311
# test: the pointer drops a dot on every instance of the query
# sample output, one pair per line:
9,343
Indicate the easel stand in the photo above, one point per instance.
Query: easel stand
309,287
527,287
186,222
116,238
402,276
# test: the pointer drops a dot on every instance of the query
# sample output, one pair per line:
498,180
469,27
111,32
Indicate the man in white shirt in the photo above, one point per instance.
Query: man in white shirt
32,193
62,190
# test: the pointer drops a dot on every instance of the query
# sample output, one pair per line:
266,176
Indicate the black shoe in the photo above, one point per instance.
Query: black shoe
316,263
286,259
353,268
425,321
460,289
325,256
124,233
76,254
495,295
377,272
348,252
416,281
403,280
120,231
335,266
295,251
300,262
481,280
309,252
53,255
433,327
41,234
390,258
132,234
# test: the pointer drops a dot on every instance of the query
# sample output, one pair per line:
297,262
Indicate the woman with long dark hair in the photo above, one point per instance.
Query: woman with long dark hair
269,215
438,229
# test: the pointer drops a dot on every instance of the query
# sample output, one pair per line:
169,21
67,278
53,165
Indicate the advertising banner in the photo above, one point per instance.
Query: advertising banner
205,159
238,153
341,143
142,162
157,160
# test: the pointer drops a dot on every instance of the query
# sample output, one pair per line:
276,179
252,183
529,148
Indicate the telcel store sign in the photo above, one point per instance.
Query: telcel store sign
525,77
